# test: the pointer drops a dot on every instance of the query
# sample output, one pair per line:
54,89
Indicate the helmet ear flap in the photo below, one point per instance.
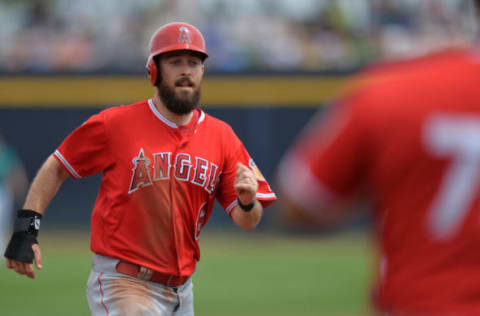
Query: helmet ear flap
152,71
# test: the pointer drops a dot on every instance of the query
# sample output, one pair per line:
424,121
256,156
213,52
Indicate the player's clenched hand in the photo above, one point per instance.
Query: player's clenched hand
246,184
25,268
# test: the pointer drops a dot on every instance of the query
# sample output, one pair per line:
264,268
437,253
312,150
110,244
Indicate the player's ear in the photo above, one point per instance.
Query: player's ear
203,66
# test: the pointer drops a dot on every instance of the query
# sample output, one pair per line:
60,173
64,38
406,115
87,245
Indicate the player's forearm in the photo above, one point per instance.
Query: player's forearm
247,220
45,185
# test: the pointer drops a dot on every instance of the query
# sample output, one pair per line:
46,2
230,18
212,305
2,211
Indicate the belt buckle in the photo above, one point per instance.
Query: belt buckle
145,273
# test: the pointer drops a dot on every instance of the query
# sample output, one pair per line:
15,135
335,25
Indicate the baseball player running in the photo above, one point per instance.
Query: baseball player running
163,163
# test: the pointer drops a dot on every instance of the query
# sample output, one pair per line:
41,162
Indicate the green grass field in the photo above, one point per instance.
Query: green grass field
242,274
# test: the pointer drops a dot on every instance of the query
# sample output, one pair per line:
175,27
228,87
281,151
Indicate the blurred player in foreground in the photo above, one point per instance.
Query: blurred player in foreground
13,186
163,163
408,137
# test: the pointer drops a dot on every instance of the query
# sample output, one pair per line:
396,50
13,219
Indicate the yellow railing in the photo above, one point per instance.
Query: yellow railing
218,91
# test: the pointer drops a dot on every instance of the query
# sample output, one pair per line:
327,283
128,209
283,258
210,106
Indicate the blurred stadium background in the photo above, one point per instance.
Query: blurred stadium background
272,65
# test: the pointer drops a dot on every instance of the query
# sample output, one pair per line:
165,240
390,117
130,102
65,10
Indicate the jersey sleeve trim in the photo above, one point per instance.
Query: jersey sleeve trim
229,208
67,165
266,195
262,196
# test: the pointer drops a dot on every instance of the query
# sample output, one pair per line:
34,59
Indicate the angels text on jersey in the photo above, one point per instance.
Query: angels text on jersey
195,170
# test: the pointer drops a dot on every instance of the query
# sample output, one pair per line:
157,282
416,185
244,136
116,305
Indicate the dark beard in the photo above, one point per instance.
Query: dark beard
177,105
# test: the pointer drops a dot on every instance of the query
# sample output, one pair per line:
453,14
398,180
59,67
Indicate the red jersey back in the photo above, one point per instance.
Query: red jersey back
159,182
410,138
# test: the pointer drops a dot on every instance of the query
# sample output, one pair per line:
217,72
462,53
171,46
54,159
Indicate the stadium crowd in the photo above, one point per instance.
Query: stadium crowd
313,35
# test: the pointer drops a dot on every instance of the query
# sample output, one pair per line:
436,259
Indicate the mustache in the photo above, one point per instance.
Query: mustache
184,80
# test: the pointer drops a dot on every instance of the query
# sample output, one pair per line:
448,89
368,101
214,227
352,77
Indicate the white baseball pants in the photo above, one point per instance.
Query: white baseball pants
110,293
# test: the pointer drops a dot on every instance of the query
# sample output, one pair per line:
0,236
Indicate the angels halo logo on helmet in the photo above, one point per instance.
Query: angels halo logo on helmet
171,37
184,35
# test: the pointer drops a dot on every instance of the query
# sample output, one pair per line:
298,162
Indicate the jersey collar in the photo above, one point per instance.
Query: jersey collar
162,118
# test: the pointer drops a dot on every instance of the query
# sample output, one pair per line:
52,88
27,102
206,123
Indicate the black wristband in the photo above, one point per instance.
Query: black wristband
27,221
27,225
246,208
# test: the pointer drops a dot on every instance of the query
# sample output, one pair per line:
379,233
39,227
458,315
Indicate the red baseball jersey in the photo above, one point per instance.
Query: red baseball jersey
409,137
159,182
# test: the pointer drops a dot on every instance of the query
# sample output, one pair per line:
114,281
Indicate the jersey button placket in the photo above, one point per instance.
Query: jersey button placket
173,182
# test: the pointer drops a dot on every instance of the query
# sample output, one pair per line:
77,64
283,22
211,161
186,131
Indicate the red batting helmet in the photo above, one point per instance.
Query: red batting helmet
172,37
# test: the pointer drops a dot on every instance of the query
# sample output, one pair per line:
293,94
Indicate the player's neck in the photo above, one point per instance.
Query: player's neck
179,119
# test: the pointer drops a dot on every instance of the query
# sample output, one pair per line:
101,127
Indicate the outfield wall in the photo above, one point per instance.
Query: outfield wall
266,111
